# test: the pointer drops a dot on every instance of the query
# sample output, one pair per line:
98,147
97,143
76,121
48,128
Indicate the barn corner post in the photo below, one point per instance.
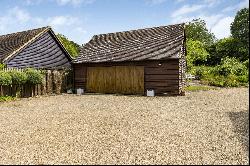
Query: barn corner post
184,62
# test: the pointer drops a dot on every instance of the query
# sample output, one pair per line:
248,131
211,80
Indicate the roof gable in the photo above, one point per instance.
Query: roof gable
43,53
142,44
11,43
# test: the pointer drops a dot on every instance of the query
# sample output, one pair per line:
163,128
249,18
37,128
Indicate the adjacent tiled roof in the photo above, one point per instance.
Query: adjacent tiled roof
136,45
13,42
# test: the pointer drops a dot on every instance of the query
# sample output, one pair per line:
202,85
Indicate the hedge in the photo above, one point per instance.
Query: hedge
16,77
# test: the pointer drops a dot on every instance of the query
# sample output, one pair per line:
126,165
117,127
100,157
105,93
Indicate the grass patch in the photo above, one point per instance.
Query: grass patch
199,88
6,98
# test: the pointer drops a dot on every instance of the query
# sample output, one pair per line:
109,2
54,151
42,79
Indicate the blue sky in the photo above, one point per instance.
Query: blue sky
79,20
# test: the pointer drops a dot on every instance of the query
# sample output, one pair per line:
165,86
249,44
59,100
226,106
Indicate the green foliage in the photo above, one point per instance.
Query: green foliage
199,88
34,76
197,30
230,47
240,27
246,63
72,47
196,53
230,73
200,71
6,98
231,66
2,66
222,63
5,78
18,77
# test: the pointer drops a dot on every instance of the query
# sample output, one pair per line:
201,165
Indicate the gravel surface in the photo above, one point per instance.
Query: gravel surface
206,127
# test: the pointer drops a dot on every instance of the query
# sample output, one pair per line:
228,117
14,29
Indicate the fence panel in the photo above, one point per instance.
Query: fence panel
54,81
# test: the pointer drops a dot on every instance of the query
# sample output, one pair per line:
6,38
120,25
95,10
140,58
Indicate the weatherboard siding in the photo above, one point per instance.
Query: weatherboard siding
44,52
163,78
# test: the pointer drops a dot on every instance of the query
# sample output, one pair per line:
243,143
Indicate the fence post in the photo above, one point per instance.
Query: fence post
49,83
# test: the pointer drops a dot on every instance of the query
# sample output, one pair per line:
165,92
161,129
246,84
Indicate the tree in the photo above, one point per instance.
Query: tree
72,47
196,53
231,47
240,27
197,30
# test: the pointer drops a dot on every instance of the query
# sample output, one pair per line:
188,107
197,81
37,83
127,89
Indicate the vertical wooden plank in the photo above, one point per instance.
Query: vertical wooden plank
1,90
49,82
116,79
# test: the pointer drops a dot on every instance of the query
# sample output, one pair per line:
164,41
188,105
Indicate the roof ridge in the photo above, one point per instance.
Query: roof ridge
45,27
138,29
27,43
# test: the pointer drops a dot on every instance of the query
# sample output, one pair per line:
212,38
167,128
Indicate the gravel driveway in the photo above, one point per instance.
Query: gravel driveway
209,127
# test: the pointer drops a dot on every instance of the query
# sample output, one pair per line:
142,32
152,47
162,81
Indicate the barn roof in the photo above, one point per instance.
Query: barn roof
12,44
143,44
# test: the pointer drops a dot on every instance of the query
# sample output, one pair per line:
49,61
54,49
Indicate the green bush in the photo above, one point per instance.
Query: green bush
246,63
196,53
6,98
231,81
5,78
201,71
18,77
243,78
224,81
34,76
231,66
213,80
2,66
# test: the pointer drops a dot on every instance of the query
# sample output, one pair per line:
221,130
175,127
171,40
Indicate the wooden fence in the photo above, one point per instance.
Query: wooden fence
54,82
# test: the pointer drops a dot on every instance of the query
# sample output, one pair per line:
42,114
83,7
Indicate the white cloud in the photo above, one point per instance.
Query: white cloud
62,21
218,24
59,2
242,4
74,2
180,1
211,3
14,17
17,19
186,9
19,14
222,28
32,2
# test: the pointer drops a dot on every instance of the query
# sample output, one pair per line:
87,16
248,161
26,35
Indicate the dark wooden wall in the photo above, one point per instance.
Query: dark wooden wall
44,52
163,78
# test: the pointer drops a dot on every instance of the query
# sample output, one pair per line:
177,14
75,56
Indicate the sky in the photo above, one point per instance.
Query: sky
79,20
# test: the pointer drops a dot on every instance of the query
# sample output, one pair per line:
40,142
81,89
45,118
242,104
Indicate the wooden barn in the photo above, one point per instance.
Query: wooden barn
37,48
132,62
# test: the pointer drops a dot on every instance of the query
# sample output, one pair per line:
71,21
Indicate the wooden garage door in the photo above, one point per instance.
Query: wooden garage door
116,79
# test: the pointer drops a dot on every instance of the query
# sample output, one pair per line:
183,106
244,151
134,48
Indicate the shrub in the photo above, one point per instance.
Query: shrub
196,53
243,78
2,66
213,80
201,71
34,76
231,81
246,63
5,78
231,66
6,98
18,77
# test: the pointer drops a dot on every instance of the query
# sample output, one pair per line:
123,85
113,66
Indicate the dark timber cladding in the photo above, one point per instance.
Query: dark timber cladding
159,50
38,48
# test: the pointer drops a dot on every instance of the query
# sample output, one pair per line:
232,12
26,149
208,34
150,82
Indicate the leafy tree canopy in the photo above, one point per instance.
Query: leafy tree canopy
231,47
197,30
240,26
196,53
72,47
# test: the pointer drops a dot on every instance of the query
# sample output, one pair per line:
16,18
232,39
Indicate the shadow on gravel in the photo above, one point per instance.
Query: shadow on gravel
240,122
